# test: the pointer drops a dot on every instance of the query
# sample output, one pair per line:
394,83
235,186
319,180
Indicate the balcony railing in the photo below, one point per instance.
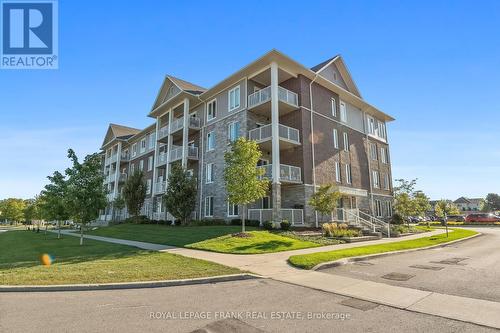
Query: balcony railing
163,132
193,152
264,95
265,132
125,157
175,153
294,216
194,122
288,173
162,158
177,124
160,186
123,177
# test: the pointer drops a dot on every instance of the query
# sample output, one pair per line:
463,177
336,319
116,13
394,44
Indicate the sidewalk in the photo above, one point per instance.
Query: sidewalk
275,266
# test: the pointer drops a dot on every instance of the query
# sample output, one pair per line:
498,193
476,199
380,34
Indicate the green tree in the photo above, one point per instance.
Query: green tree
491,202
13,209
118,204
243,179
444,208
422,204
180,196
33,210
407,201
54,203
134,193
325,199
86,194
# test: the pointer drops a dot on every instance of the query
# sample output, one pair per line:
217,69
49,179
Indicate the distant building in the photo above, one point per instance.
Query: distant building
468,204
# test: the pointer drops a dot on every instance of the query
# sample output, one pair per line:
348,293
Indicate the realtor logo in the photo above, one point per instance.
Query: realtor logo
29,34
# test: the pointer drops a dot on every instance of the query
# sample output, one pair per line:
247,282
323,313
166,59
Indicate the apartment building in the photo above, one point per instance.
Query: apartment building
312,126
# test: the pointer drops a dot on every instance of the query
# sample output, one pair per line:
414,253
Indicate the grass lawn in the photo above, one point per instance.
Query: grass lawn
308,261
167,235
94,262
259,242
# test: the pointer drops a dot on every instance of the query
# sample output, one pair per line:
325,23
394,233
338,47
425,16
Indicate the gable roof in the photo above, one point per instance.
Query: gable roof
182,85
119,132
462,200
186,86
343,70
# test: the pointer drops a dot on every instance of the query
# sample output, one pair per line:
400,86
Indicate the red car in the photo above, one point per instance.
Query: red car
482,217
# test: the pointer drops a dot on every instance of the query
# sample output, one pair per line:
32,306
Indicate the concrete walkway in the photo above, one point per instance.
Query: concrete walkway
275,266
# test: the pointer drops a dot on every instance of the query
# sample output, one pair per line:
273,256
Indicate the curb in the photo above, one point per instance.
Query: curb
130,285
344,261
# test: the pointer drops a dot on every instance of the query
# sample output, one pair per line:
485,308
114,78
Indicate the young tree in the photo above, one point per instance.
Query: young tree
491,203
54,196
33,210
407,201
242,176
422,204
180,196
134,193
444,208
325,199
86,194
119,204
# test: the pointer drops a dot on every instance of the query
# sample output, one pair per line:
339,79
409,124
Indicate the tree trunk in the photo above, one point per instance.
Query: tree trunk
59,231
243,218
81,234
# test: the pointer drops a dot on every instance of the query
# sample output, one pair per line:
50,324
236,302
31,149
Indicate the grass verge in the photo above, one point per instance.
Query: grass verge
259,242
308,261
94,262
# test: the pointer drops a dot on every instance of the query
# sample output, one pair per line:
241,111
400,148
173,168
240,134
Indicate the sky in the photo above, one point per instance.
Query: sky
432,65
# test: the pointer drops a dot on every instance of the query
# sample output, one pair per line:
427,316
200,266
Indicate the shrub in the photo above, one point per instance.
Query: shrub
248,223
285,225
396,219
339,230
207,222
268,225
141,219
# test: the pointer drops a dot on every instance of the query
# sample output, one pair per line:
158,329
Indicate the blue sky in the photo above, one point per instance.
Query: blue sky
432,65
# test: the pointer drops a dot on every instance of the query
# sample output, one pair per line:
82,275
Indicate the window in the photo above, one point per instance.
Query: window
334,107
152,139
266,203
375,179
210,141
234,98
346,142
234,131
373,151
343,112
388,206
371,125
141,165
150,163
232,210
143,145
387,184
348,173
209,178
335,139
134,150
209,206
383,155
211,109
378,208
148,186
381,130
337,172
132,168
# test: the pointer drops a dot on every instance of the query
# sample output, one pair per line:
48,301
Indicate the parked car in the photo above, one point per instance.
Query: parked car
456,218
482,217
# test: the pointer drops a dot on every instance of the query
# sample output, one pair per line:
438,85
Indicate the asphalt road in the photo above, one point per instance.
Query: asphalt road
269,302
470,268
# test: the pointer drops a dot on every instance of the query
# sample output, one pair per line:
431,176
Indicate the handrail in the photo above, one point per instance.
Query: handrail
359,220
380,222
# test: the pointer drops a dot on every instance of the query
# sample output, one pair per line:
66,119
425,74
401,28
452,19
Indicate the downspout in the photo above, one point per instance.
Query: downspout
368,159
200,166
312,144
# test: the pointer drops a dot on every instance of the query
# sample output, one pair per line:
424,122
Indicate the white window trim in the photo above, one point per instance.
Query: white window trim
338,178
210,134
348,174
373,151
214,110
141,165
383,155
150,163
387,185
232,212
209,166
346,141
343,112
207,200
335,138
334,107
236,106
134,150
376,179
230,132
143,141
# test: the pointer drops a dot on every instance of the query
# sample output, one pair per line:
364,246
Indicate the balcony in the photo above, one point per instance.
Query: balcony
288,173
259,101
123,178
160,186
178,124
289,137
176,153
294,216
125,157
162,159
163,133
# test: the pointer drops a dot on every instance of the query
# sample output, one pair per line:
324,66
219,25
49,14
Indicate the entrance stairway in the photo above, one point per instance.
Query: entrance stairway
368,224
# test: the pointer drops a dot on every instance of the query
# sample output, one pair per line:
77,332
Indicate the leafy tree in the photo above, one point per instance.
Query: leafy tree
134,193
444,208
180,196
33,210
325,199
491,203
54,200
13,209
242,176
422,204
119,204
409,202
86,194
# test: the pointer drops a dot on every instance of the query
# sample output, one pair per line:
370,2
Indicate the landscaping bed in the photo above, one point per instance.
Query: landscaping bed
94,262
308,261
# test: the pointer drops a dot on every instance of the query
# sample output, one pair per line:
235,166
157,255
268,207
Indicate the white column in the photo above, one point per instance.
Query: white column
185,133
155,158
276,185
117,171
169,142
